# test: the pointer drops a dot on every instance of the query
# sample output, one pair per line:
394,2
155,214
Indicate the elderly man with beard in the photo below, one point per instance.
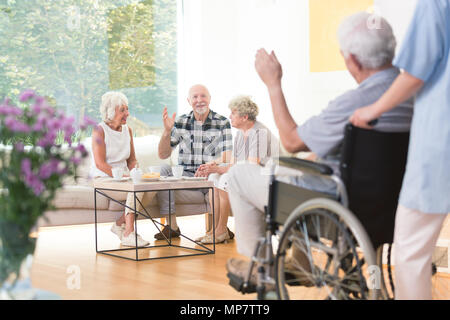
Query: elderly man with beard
203,137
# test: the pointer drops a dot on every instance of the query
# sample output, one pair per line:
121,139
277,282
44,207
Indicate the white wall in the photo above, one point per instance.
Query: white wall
219,40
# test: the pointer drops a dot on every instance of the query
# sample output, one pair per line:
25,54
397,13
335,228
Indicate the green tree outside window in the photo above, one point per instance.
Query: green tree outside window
73,51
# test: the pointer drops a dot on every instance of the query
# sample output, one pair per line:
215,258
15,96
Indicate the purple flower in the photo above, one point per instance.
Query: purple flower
48,140
34,183
19,147
8,110
36,108
30,179
38,126
81,148
40,105
75,160
26,167
41,122
15,125
53,124
48,168
27,95
87,122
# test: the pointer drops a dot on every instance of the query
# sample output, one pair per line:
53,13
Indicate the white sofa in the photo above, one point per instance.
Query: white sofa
74,203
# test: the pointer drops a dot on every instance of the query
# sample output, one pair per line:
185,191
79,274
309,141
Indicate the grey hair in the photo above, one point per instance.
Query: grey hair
369,38
110,101
244,106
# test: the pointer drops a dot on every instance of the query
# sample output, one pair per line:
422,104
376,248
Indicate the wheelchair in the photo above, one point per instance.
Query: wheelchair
333,246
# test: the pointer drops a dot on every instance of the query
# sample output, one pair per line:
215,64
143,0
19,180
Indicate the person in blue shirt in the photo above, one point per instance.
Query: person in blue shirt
425,197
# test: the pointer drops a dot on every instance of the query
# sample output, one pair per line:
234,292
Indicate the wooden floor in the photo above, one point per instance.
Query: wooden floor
62,252
67,264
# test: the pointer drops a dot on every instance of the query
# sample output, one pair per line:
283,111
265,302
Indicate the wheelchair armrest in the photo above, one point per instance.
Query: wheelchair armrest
306,166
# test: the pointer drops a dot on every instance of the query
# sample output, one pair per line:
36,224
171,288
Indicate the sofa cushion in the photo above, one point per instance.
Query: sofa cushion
146,149
181,197
114,206
190,197
80,197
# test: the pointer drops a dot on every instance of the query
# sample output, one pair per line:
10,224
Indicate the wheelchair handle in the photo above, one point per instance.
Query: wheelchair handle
306,166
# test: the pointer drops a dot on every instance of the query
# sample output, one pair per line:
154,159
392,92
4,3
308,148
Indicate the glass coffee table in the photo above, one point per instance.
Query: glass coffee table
102,185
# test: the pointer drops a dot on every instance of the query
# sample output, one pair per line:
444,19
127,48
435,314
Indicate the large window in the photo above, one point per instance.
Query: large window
73,51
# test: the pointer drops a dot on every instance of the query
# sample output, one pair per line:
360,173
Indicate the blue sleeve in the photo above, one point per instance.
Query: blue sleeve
423,45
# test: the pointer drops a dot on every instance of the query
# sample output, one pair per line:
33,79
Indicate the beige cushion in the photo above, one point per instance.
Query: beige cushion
190,197
182,197
114,206
80,197
146,149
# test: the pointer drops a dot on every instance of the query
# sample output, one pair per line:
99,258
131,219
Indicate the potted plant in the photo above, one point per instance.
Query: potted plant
37,152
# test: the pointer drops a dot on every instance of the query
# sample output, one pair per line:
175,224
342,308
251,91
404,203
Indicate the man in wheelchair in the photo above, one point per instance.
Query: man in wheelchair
368,51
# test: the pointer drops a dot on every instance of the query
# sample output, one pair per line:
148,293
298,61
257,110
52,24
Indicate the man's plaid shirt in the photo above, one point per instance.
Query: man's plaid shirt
201,142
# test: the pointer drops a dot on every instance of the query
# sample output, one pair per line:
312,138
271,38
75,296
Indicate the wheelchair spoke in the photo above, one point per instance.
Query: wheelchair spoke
308,246
320,259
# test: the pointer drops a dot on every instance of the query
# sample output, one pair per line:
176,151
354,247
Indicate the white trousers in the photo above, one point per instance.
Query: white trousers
415,237
248,191
220,180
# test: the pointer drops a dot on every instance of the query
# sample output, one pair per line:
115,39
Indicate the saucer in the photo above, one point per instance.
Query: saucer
121,179
169,179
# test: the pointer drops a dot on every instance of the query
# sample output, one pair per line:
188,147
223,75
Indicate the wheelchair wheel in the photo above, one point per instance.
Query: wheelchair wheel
325,253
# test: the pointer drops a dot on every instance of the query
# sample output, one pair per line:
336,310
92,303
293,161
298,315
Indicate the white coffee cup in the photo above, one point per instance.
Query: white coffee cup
136,175
117,173
177,171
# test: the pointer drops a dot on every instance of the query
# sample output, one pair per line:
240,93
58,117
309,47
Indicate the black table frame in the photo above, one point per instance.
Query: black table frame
110,252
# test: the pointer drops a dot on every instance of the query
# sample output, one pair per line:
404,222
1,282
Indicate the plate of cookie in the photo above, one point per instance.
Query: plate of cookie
152,176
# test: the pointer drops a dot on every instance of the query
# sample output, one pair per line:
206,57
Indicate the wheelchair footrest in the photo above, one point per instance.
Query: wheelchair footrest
238,284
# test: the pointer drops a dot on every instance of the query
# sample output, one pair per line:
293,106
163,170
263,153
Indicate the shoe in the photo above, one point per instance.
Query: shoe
118,230
231,234
165,232
239,268
221,238
130,240
200,239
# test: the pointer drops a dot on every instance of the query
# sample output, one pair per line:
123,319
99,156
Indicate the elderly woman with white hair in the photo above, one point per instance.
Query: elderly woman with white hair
254,143
112,147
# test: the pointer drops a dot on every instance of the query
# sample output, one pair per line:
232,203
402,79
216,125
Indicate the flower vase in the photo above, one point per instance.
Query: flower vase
16,255
16,259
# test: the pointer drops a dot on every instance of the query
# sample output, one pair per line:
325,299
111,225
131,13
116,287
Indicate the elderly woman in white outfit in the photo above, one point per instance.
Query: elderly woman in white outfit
112,147
253,143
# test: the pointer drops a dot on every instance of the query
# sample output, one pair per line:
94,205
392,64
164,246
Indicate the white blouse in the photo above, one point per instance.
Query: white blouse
117,149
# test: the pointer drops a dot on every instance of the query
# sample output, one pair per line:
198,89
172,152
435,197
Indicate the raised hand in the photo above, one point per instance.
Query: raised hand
268,68
168,121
